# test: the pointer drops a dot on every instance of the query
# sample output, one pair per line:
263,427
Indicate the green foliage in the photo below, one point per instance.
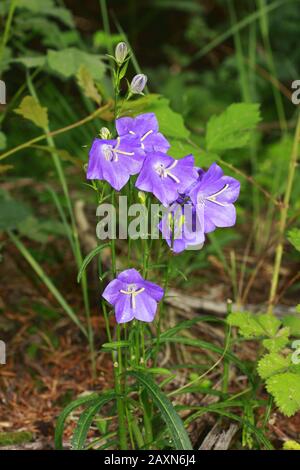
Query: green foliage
261,326
30,109
232,129
294,238
12,214
67,62
173,422
281,375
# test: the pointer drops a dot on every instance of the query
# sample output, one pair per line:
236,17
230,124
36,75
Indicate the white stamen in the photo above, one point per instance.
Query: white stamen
131,132
133,293
212,198
146,135
164,172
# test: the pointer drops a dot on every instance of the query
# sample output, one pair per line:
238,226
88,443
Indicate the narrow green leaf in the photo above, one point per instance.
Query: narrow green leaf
59,430
86,419
173,421
89,258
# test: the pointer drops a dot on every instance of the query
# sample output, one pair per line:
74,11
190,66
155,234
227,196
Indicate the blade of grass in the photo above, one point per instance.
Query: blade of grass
47,281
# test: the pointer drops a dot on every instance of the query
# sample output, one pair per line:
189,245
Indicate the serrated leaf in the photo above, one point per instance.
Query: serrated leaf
286,391
277,342
294,238
67,62
293,323
86,82
252,325
30,109
271,364
232,129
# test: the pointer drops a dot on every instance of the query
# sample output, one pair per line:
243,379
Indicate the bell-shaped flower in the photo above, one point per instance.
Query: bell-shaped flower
165,177
213,196
145,128
181,228
115,160
133,297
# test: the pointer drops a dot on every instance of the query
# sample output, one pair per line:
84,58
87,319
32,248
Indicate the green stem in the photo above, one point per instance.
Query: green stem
264,26
76,246
47,281
5,36
283,217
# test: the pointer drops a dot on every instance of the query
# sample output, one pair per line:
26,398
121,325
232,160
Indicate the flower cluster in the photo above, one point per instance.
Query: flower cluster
197,201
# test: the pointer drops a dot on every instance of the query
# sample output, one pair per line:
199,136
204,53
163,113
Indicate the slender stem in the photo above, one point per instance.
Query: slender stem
283,217
264,26
47,281
5,36
98,113
77,249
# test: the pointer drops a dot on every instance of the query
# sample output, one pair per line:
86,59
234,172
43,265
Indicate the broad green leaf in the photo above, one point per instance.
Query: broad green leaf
103,40
31,62
252,325
277,342
86,419
171,124
294,238
286,391
232,129
12,213
2,141
173,421
293,323
89,258
59,429
86,82
67,62
273,363
30,109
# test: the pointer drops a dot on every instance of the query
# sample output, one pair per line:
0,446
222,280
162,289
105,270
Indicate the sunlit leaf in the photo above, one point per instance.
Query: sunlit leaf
30,109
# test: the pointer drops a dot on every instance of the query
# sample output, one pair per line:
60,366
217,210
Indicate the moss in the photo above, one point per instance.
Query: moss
10,438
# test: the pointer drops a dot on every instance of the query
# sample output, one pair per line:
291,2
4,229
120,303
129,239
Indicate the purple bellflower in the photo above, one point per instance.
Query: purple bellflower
145,128
133,297
165,177
181,228
115,160
213,196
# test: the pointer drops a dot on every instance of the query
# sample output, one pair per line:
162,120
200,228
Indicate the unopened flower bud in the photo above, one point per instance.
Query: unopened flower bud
142,197
138,83
105,133
121,52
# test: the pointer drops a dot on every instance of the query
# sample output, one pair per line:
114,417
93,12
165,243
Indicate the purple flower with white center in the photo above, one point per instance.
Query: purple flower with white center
133,297
213,196
115,160
165,177
145,128
181,228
